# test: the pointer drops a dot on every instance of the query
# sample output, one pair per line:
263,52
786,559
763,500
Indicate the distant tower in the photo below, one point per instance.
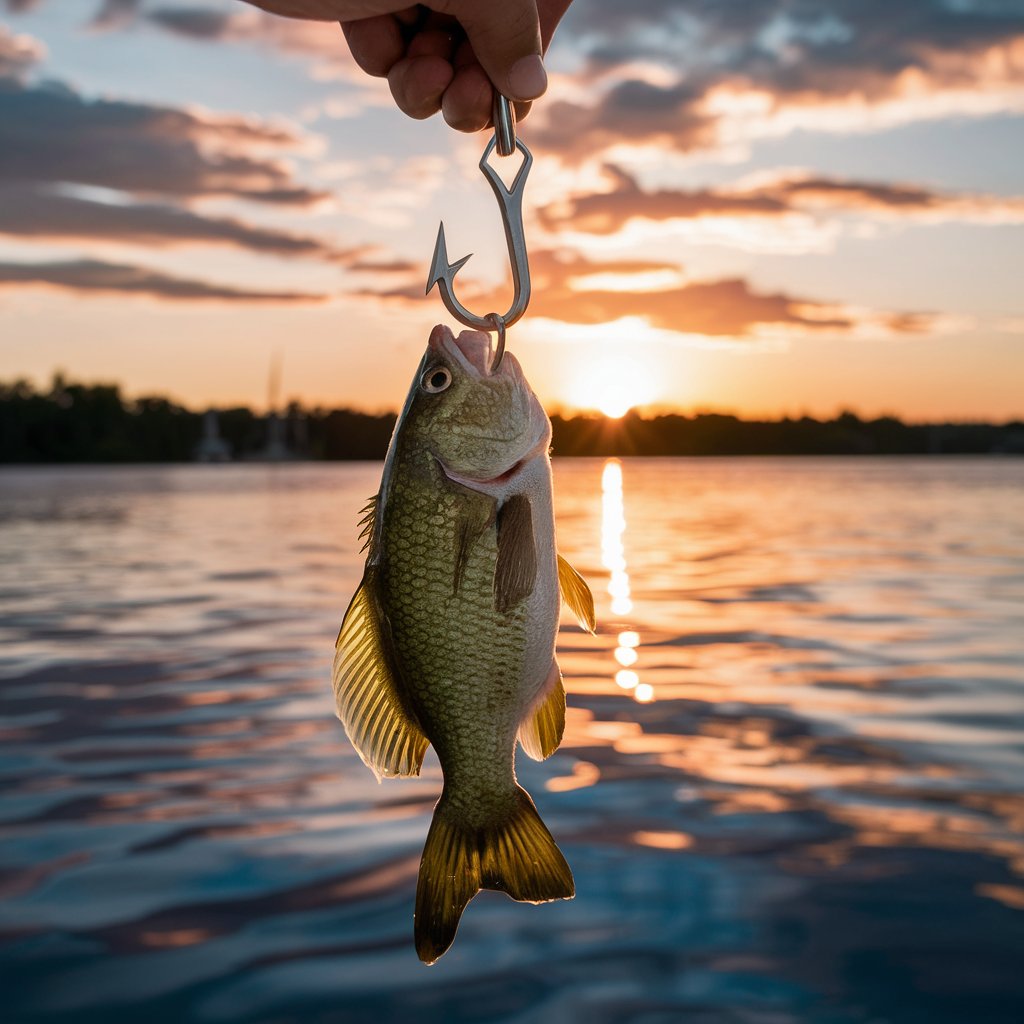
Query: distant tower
276,449
212,447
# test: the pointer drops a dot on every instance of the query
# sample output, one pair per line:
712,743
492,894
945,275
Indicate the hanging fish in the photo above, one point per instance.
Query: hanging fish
450,637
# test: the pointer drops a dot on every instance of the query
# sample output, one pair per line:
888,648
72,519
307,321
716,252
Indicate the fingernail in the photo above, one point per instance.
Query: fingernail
527,80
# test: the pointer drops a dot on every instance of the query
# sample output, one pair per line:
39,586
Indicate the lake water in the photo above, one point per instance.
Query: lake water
790,788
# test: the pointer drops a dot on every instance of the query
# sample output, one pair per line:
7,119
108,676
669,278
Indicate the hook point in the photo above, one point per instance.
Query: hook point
440,268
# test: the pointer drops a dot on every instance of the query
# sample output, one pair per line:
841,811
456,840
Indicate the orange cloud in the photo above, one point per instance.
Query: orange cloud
18,54
727,308
606,213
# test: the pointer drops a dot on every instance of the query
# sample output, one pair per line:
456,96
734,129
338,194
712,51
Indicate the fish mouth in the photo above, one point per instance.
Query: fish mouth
471,350
504,477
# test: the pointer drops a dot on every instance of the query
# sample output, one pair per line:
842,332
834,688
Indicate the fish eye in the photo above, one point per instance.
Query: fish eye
436,379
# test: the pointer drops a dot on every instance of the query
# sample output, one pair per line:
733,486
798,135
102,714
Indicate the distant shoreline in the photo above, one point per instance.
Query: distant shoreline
94,424
297,463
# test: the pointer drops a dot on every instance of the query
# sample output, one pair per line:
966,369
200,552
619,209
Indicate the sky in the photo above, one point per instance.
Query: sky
773,207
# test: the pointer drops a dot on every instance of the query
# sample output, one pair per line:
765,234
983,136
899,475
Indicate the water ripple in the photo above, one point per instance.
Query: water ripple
789,787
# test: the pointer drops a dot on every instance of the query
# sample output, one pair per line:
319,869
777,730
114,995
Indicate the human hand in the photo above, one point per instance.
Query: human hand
445,54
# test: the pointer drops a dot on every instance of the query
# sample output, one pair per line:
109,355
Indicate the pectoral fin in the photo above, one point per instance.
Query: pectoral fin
385,735
541,730
515,570
576,594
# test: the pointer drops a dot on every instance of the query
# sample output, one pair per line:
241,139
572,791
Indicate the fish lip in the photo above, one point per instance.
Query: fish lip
444,341
505,477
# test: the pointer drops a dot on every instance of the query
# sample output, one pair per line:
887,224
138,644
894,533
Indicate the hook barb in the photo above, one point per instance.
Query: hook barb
442,273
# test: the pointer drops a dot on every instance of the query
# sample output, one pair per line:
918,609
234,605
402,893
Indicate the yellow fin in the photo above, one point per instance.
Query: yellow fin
576,594
541,730
515,855
384,734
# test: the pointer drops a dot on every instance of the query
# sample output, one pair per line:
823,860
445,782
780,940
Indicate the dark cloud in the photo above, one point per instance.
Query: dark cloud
243,23
235,22
55,141
386,266
32,212
728,308
204,23
605,213
53,134
18,54
115,14
791,52
20,6
111,278
856,194
796,44
806,49
630,111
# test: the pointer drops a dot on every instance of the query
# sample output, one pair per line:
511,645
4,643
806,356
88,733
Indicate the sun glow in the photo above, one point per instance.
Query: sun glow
612,383
613,366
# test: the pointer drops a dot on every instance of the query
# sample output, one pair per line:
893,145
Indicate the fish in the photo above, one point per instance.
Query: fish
449,639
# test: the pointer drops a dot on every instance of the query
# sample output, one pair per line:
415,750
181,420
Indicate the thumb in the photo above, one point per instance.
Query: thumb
506,40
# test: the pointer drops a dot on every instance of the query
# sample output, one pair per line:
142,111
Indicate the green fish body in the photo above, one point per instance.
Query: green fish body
450,638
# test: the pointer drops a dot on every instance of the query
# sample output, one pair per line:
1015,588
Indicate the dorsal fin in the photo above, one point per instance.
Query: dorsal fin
368,522
576,594
541,730
385,735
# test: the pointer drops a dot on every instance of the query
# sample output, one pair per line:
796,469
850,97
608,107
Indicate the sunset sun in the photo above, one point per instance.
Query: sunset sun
613,385
614,401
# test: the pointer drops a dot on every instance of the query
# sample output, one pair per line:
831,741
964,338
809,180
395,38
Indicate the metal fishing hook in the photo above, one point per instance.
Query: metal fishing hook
498,323
510,199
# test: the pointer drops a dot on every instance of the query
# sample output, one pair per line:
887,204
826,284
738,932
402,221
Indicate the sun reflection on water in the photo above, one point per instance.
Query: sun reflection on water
613,557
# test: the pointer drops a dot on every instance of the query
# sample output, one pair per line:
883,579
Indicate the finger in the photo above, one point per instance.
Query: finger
417,84
432,43
456,108
507,45
441,21
376,43
464,55
466,103
412,17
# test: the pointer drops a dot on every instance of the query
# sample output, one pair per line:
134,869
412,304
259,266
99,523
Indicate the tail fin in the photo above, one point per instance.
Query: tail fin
516,855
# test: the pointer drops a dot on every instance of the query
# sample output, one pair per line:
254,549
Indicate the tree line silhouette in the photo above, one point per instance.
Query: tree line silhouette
74,422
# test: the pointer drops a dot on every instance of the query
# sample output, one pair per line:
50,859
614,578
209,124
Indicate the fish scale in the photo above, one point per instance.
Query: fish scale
457,656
